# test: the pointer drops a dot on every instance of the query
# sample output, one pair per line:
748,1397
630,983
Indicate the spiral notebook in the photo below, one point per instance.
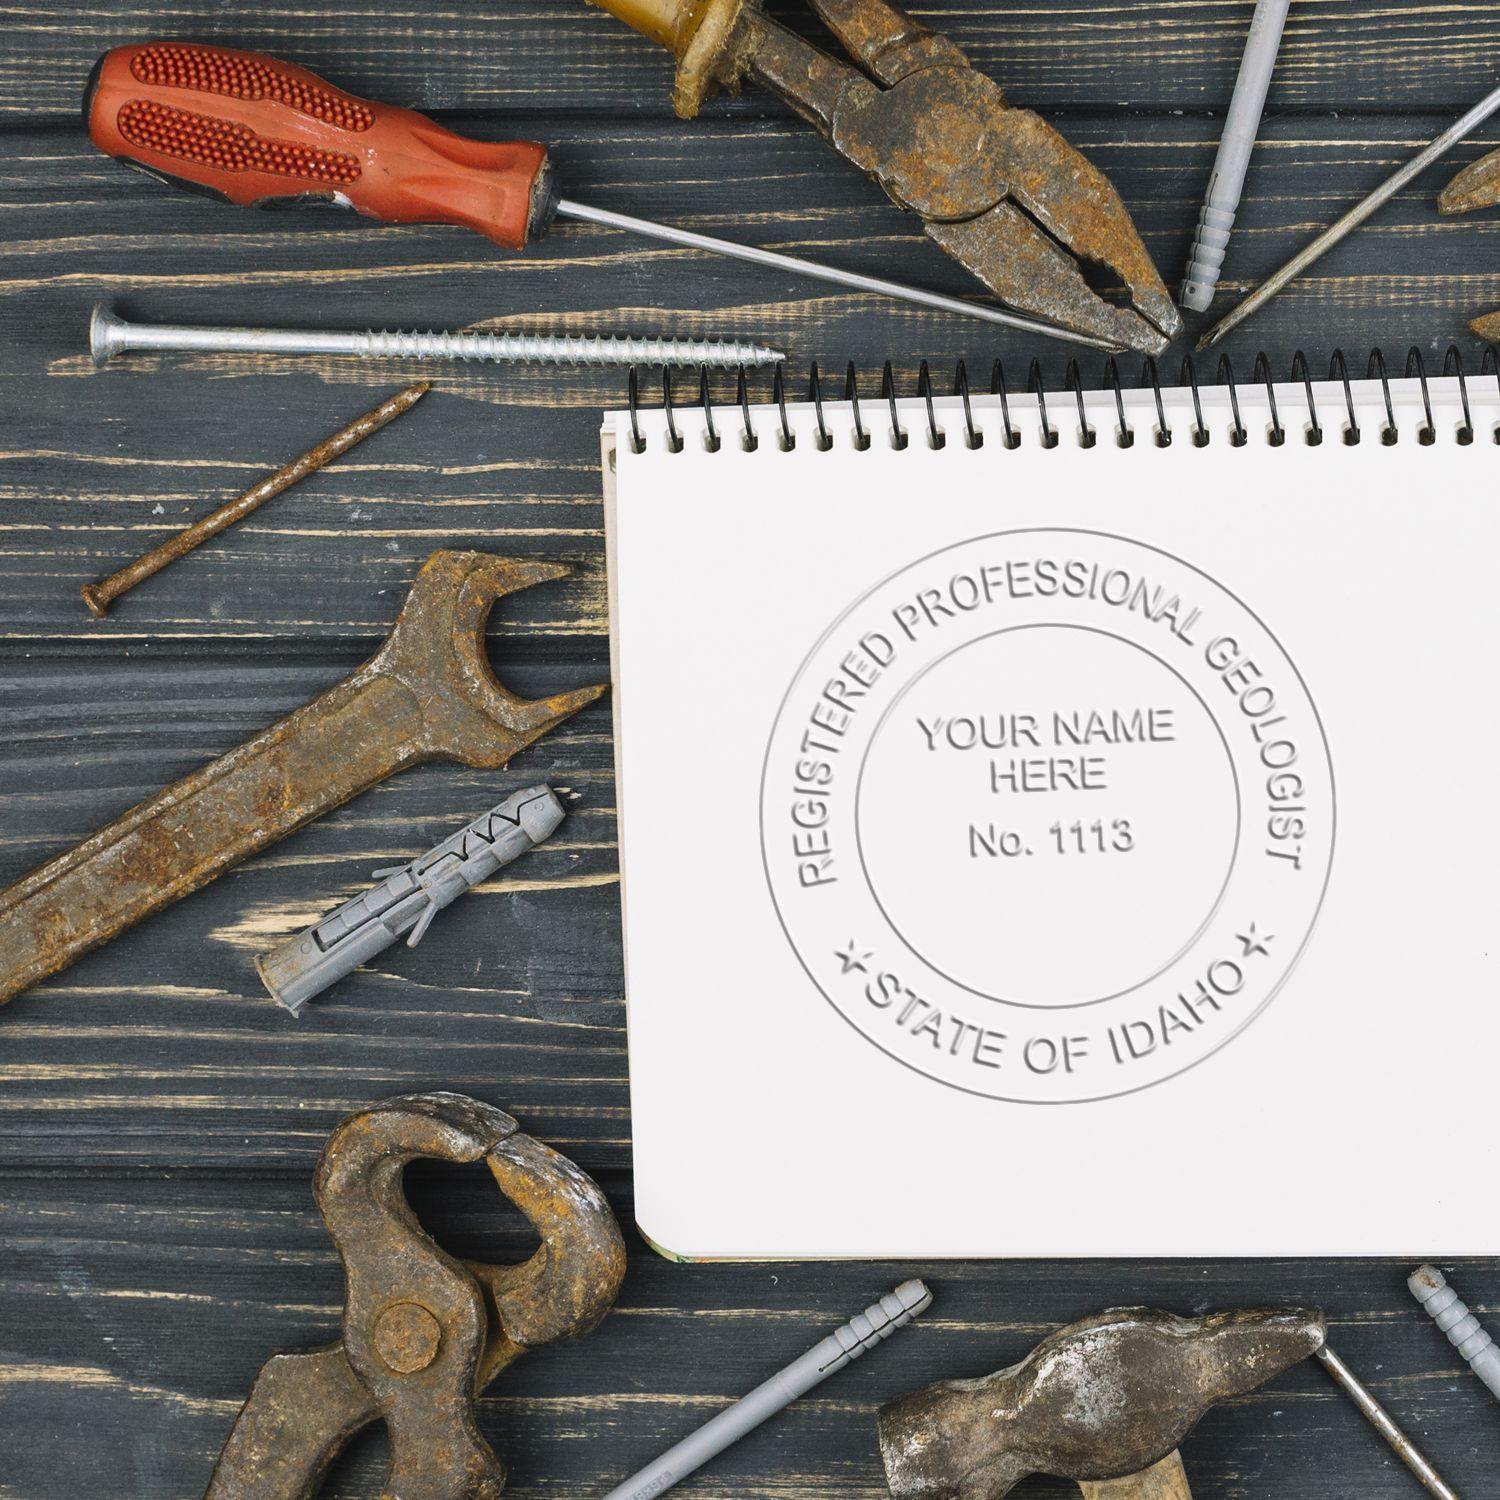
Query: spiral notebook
1064,824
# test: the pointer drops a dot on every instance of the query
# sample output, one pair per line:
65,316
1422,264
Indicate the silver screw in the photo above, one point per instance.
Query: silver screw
1431,1289
110,335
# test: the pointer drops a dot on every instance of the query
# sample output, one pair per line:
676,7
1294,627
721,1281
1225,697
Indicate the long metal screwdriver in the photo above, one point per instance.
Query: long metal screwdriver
259,132
1354,218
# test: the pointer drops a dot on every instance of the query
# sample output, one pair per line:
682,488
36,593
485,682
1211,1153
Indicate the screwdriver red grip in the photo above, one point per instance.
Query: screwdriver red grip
261,132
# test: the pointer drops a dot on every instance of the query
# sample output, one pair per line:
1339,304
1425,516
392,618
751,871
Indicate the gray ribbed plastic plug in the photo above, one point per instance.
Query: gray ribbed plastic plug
844,1345
1227,180
1430,1288
407,899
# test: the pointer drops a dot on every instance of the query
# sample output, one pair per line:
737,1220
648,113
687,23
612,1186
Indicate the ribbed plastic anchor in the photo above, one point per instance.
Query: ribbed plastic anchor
1446,1309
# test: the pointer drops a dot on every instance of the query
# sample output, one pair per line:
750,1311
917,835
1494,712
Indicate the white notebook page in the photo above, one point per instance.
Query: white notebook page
1062,851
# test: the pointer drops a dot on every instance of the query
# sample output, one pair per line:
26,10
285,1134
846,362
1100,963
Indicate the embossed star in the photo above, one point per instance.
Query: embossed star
1253,942
853,959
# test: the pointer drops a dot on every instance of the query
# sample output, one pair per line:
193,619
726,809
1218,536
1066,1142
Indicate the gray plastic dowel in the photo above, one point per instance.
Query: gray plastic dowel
894,1310
407,899
1227,182
1431,1289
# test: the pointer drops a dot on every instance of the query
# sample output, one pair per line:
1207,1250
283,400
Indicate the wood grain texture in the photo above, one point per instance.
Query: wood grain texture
125,1287
502,457
159,1116
541,58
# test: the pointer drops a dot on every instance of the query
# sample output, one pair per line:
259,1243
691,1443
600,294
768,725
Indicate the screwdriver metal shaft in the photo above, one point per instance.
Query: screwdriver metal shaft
754,255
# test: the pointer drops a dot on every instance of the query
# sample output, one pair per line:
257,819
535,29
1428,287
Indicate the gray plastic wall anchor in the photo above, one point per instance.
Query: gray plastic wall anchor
1227,181
407,899
1431,1289
844,1345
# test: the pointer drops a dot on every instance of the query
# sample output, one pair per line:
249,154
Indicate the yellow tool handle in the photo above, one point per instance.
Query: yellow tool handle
700,34
670,22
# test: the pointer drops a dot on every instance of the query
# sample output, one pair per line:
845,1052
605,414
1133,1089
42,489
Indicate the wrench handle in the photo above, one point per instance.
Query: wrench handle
314,760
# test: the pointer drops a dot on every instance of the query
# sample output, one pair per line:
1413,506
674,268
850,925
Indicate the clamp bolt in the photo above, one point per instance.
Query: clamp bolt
407,1337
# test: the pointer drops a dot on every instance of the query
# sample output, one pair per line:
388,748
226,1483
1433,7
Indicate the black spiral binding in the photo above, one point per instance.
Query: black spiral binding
1124,434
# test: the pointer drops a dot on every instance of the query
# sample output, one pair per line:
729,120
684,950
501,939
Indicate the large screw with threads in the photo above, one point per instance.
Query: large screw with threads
1430,1288
110,335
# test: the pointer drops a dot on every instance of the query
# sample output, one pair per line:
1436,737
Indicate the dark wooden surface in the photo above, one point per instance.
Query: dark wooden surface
159,1117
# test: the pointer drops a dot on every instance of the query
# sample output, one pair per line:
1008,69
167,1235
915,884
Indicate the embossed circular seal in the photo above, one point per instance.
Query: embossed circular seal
1048,815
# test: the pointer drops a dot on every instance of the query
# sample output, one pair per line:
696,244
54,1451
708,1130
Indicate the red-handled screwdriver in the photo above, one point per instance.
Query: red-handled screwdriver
259,132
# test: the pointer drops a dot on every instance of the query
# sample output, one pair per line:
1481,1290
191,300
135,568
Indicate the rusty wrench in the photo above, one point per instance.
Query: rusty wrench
428,694
423,1333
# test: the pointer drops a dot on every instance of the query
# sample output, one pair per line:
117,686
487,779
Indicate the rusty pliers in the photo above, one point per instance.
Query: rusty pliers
996,187
423,1333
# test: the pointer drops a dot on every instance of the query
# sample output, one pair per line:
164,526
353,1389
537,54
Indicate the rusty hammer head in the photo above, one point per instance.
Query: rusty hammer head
437,652
1108,1398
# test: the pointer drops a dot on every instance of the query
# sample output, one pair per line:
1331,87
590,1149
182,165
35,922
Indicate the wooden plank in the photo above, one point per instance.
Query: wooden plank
140,1310
548,57
93,467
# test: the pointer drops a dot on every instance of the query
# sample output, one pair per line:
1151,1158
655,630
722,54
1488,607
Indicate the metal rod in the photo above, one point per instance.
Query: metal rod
880,287
111,335
1354,218
1385,1425
99,596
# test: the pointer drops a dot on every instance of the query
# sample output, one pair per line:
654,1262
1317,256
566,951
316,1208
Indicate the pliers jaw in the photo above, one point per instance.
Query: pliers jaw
996,187
1476,187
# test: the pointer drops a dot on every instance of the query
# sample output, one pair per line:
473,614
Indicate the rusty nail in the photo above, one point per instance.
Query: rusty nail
99,596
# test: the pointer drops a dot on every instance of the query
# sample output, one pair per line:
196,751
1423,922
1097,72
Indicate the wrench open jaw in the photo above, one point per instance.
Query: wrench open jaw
429,693
999,189
1476,187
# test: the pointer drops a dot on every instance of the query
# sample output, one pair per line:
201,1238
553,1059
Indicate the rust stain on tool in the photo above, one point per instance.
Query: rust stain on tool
1476,187
1103,1402
429,693
996,187
423,1334
99,596
1487,327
